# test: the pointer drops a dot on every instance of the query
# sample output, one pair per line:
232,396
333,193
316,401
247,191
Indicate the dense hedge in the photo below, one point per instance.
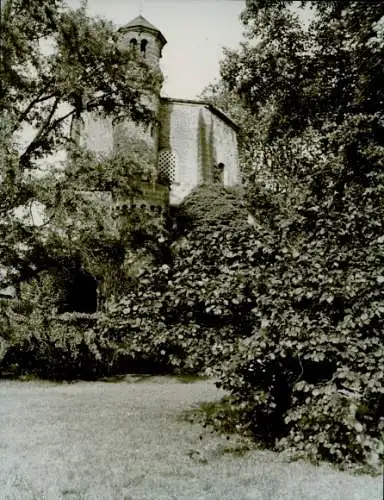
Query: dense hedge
63,347
178,317
310,377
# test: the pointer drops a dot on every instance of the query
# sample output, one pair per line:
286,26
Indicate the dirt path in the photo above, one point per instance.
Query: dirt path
125,441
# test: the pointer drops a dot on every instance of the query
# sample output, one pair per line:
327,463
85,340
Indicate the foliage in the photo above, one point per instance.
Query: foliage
85,69
69,346
283,303
58,65
65,348
185,313
309,378
93,223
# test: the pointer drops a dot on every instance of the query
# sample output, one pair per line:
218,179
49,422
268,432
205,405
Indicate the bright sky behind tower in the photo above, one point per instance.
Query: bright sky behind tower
196,31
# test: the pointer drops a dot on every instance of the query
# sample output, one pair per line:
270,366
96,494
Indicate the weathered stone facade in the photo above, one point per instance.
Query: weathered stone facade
203,140
194,142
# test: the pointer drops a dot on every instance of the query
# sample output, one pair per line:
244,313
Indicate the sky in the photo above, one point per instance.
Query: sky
196,31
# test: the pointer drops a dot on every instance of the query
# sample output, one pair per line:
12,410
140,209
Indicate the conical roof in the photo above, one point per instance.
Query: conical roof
140,21
143,24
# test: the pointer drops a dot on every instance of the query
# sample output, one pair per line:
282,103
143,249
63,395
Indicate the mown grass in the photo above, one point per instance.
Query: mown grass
97,440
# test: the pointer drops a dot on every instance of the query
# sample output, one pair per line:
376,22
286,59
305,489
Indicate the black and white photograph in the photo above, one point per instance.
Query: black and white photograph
192,250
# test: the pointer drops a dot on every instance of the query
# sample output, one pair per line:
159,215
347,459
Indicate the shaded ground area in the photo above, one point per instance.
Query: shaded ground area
126,441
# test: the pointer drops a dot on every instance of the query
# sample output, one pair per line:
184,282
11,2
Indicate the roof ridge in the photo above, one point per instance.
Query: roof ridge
203,102
140,20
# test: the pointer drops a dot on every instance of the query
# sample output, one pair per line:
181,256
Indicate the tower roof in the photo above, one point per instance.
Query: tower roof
143,25
140,21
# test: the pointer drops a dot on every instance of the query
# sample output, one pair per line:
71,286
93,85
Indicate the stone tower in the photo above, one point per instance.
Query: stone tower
141,35
147,41
191,143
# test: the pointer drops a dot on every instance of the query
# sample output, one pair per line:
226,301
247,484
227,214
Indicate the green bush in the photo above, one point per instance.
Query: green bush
289,315
55,347
310,376
184,316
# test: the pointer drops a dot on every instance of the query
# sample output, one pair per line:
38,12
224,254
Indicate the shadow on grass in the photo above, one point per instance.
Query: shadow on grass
142,377
220,417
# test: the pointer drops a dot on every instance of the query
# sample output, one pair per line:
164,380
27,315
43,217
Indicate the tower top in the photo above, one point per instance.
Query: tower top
141,24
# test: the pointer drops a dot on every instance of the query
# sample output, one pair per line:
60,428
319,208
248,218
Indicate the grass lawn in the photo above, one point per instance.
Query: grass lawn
99,440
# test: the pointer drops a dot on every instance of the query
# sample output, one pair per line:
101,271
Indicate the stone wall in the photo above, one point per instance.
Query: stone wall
198,140
178,134
226,149
201,138
126,131
96,134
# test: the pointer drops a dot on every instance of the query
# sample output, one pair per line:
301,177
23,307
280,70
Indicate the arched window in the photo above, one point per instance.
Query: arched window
143,46
133,43
218,173
167,167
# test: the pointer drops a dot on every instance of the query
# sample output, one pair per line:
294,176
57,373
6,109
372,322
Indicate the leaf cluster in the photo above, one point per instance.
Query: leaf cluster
310,377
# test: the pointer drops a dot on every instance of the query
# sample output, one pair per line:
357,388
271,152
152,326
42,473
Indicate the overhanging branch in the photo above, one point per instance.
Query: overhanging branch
25,157
30,106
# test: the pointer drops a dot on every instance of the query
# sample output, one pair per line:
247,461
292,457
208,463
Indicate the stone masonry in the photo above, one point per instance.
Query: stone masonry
194,142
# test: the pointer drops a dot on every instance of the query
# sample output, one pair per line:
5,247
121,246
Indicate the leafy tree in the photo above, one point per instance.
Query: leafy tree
310,378
57,64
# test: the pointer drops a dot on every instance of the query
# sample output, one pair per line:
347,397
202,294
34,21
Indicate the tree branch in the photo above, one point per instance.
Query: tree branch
24,113
60,120
24,158
50,129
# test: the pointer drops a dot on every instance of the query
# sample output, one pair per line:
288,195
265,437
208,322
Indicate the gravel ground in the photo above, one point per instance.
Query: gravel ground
98,440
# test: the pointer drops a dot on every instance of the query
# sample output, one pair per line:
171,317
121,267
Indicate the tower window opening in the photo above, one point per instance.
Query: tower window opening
143,46
133,43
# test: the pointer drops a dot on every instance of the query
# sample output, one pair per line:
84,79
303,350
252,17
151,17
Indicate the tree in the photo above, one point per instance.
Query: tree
56,64
310,378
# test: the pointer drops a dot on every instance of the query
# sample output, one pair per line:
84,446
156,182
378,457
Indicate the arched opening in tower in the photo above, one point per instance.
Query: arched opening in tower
143,47
133,43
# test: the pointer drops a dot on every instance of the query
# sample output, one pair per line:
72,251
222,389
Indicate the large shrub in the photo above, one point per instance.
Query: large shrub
310,377
64,347
184,315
